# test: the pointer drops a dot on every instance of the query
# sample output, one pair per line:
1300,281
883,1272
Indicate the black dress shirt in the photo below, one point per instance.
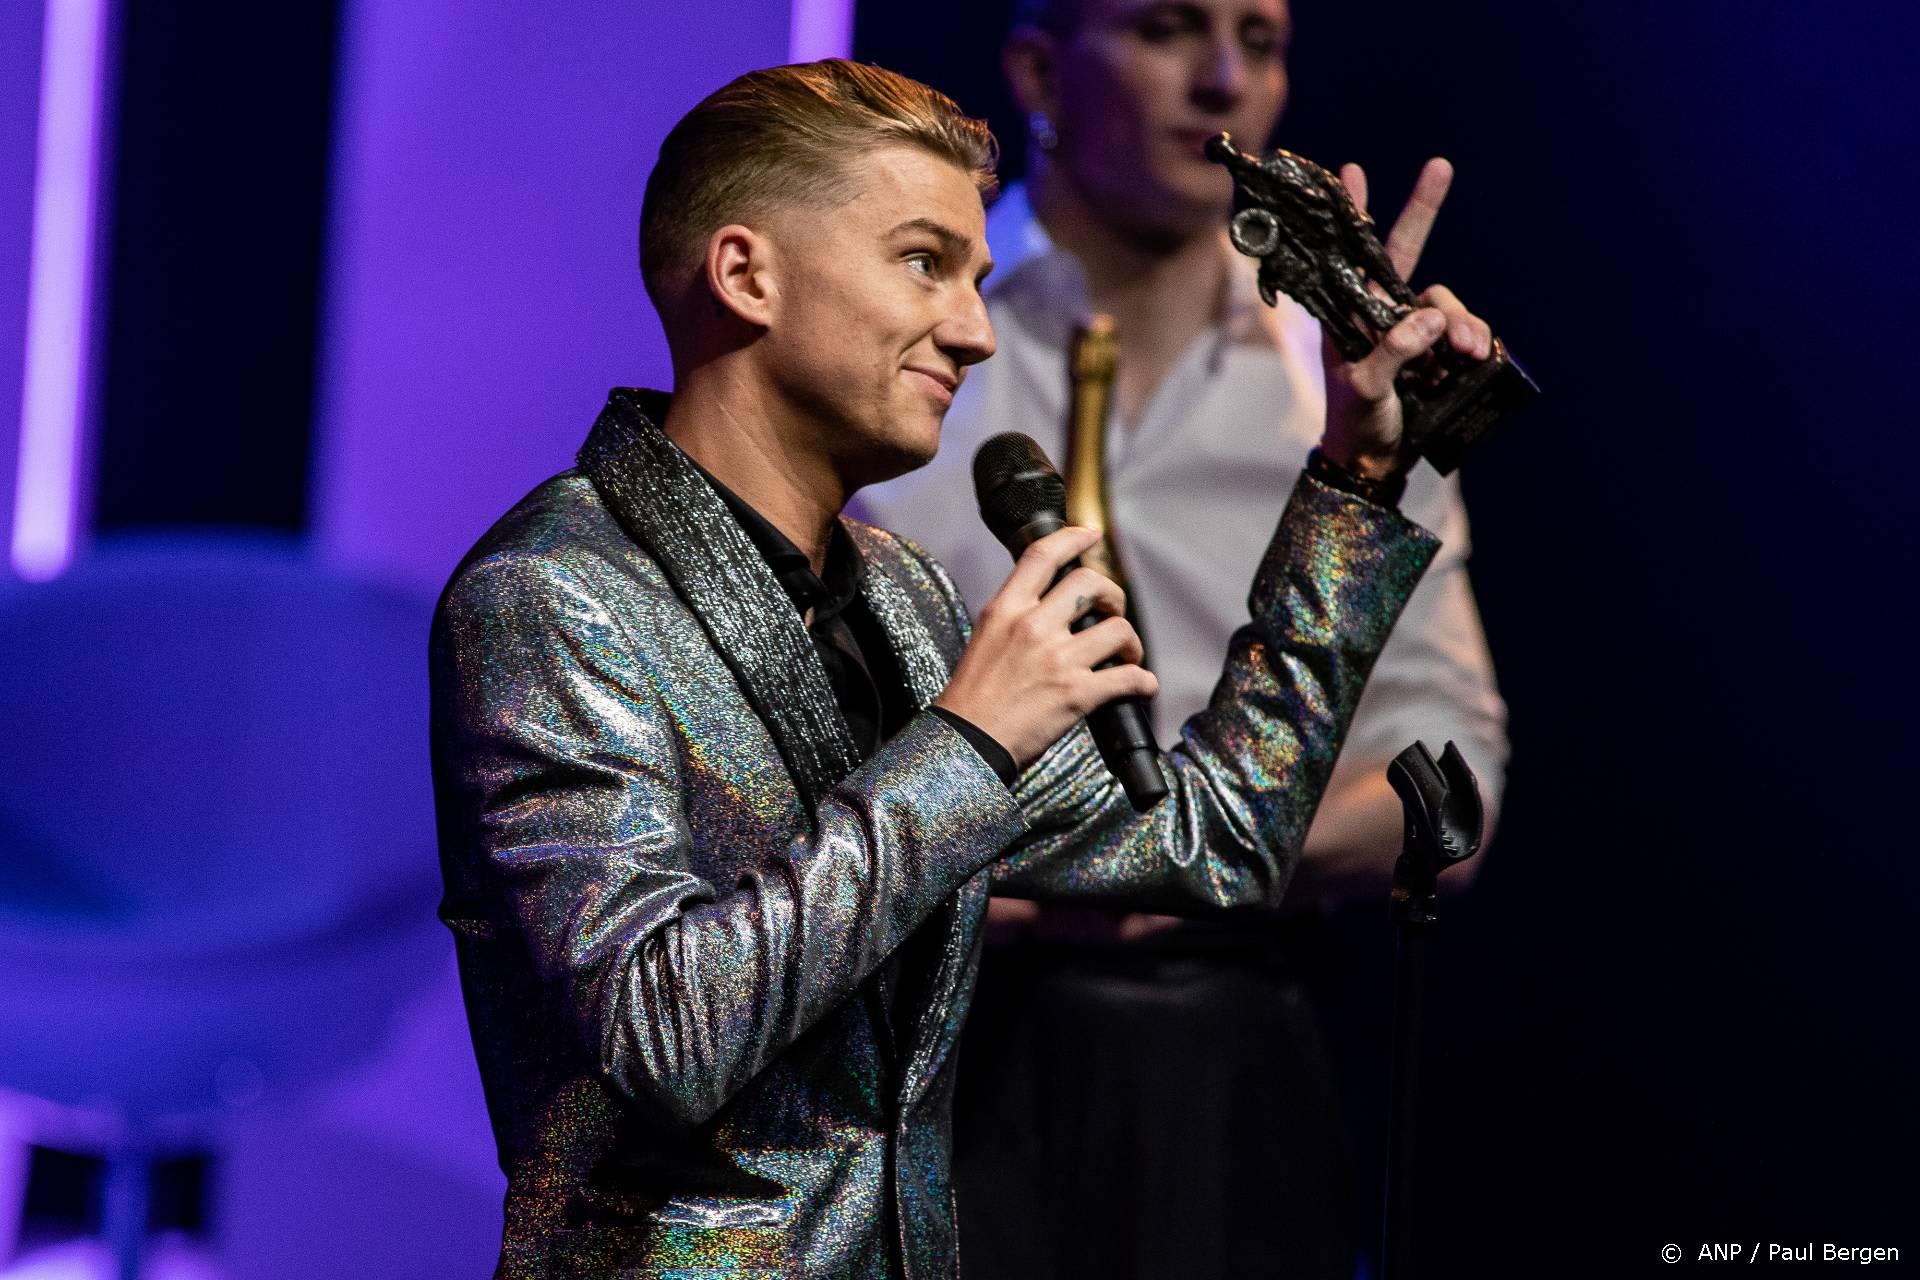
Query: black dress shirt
867,682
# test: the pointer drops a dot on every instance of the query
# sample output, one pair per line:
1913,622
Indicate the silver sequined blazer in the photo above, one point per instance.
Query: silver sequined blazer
672,891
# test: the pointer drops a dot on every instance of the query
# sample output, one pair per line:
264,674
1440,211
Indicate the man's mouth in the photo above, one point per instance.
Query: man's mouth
942,384
1194,141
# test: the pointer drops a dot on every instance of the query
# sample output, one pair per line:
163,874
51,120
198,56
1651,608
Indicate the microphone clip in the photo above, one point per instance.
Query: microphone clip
1445,822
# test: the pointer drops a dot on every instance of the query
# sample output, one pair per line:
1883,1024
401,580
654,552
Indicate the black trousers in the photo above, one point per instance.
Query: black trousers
1158,1110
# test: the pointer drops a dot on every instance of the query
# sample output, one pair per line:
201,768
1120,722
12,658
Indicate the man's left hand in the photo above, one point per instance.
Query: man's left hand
1364,427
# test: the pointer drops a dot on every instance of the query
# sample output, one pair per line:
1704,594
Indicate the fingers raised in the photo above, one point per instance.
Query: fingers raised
1408,239
1355,180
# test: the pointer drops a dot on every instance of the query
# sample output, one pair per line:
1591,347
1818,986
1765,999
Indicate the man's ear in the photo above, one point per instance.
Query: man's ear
739,273
1029,60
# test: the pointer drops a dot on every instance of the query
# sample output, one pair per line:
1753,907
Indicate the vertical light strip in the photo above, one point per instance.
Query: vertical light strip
59,291
821,29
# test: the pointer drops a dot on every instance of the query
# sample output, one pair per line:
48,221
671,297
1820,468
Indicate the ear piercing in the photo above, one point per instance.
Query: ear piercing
1041,130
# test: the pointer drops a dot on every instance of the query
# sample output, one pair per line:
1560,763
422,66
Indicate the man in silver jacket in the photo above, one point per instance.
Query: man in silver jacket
717,918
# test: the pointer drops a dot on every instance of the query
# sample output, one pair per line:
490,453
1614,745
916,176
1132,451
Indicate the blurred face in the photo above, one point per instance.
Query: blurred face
878,311
1142,84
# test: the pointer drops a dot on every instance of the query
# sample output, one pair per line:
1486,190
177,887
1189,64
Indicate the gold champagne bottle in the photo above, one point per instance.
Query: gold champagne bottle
1092,362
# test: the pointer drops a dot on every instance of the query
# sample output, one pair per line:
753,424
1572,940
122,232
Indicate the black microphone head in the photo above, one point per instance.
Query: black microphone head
1017,486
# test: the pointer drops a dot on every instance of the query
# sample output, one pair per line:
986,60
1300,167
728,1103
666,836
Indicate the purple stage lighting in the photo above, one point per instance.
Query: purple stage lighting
53,400
821,29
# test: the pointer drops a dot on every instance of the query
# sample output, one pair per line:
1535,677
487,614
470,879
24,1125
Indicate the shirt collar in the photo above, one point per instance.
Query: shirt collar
826,593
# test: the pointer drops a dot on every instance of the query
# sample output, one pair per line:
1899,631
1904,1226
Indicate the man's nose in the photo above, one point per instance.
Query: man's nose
1220,79
966,334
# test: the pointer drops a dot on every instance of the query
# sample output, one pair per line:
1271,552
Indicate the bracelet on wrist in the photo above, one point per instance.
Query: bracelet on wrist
1384,492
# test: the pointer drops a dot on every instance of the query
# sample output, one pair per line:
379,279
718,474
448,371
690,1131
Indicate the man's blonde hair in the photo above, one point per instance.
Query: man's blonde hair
785,136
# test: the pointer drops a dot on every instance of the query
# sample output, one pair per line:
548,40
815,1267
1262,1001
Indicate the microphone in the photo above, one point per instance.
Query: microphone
1023,499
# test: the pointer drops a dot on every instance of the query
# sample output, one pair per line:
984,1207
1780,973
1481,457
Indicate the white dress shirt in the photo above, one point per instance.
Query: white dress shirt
1195,487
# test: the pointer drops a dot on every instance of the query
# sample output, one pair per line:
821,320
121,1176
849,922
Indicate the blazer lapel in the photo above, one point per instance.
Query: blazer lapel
671,511
938,1025
668,509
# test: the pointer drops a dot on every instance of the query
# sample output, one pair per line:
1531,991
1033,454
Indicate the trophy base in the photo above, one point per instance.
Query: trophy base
1446,419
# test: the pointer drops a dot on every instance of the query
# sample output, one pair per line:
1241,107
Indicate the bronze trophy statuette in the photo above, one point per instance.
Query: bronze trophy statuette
1316,246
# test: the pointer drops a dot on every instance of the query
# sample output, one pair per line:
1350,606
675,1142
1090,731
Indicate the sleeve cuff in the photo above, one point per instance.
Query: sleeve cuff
996,756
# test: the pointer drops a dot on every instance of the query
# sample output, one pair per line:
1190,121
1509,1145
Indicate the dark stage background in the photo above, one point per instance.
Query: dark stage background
1679,1005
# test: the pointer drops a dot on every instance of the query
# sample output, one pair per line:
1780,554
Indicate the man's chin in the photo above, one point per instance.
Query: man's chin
1176,212
895,456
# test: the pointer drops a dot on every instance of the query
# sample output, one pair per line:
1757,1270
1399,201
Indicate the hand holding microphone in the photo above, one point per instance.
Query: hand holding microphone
1053,645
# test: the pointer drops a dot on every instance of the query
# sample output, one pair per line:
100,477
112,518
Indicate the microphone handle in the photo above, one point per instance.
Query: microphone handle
1120,728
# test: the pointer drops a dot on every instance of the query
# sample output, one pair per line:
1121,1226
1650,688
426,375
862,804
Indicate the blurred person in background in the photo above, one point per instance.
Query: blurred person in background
1210,1139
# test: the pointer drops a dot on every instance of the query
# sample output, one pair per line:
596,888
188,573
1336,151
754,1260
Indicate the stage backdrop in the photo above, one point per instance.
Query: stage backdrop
483,288
1677,1006
19,120
481,292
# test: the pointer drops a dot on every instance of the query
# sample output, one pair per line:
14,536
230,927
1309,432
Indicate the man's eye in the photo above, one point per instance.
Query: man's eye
921,262
1261,42
1168,22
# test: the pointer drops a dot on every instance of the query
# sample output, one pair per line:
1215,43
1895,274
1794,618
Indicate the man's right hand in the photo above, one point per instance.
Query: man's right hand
1026,678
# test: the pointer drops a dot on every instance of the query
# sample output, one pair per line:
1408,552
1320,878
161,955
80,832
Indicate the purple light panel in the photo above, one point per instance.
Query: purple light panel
483,286
54,396
821,29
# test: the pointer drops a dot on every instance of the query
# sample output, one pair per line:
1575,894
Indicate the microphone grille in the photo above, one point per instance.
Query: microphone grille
1014,483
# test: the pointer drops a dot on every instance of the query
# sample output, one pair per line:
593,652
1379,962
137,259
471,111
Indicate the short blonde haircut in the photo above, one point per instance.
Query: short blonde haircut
785,136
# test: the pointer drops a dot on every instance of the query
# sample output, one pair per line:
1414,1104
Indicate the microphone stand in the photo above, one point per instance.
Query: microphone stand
1444,825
